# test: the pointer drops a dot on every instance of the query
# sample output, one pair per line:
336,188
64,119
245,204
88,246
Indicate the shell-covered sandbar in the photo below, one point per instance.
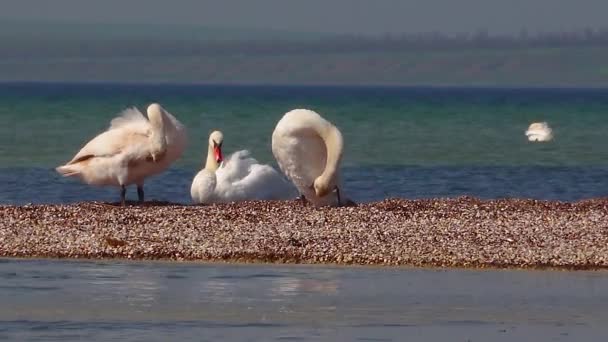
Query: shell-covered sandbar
459,232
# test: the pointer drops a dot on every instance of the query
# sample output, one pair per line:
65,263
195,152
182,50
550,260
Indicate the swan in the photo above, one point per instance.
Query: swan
238,178
308,149
132,149
539,131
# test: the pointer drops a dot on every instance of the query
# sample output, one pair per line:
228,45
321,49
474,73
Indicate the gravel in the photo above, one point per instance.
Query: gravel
459,232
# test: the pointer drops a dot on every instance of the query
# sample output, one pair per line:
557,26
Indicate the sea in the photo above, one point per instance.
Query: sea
399,142
405,142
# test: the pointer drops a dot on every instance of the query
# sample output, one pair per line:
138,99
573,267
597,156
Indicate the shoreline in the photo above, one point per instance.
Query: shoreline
461,232
430,267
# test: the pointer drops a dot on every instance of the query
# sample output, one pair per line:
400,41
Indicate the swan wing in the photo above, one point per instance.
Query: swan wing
176,123
127,117
134,143
264,183
243,178
232,170
301,156
537,131
539,134
235,167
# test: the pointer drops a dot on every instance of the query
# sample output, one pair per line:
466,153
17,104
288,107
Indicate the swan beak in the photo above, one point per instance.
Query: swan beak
218,154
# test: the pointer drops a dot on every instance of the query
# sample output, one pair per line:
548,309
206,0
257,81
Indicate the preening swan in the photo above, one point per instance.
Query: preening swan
308,150
132,149
539,131
238,178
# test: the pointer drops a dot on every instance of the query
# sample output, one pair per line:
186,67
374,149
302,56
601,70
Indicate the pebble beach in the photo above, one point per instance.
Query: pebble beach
458,232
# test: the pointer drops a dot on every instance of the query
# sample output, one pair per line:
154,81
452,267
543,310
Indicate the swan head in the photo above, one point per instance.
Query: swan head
216,138
322,186
156,117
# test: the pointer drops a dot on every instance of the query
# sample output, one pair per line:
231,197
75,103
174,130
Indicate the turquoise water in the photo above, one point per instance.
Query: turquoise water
404,142
143,301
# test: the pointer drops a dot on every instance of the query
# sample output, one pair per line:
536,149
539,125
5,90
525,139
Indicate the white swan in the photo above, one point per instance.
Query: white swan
132,149
308,150
238,178
539,131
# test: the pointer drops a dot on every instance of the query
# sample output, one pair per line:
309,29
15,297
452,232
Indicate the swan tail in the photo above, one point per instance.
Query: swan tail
67,170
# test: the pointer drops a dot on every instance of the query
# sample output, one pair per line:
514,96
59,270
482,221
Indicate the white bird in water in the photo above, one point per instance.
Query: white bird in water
539,131
238,178
134,147
308,150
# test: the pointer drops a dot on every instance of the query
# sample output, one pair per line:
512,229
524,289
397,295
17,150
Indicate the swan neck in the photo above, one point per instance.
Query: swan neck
211,164
334,144
158,138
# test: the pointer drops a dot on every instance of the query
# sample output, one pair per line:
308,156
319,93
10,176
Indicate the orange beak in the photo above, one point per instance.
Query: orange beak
218,154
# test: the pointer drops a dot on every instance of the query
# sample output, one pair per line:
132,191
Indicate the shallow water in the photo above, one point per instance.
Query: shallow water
151,301
400,142
364,184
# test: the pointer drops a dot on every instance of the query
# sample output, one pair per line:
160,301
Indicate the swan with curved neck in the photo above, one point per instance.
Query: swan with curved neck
133,148
238,178
309,150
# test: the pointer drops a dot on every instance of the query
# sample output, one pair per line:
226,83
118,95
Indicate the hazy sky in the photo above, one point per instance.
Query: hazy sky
336,16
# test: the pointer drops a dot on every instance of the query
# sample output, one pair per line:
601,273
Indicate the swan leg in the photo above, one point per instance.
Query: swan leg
338,194
123,194
303,199
140,193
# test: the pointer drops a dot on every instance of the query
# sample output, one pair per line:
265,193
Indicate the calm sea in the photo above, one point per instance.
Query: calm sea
400,142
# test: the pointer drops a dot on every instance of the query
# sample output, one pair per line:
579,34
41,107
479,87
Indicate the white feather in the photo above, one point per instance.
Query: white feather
240,178
302,154
128,116
539,132
121,155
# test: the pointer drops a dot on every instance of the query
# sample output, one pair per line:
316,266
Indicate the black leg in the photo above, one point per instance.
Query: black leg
303,199
140,193
338,194
123,193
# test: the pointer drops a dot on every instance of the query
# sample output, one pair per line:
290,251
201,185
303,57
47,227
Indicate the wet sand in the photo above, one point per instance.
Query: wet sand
460,232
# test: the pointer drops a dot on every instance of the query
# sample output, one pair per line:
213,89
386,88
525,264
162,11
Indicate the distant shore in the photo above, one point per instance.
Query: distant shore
459,232
491,67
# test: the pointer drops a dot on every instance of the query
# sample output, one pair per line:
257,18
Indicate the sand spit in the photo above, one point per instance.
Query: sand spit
460,232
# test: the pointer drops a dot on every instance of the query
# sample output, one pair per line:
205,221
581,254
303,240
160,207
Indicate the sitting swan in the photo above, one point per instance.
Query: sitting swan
239,178
308,149
539,131
132,149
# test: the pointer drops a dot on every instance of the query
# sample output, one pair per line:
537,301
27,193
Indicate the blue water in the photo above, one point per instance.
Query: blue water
400,142
145,301
374,183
